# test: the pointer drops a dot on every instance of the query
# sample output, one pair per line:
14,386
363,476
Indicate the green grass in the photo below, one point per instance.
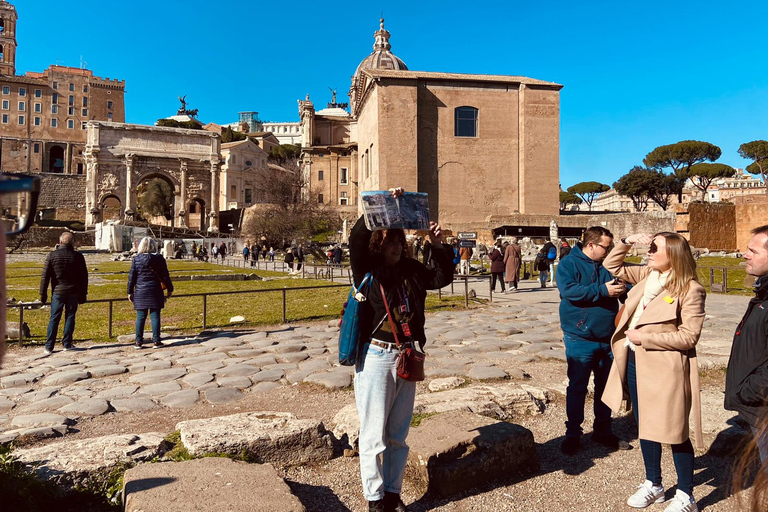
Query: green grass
735,270
185,314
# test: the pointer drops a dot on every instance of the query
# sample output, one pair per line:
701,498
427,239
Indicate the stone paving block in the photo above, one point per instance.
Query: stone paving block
157,376
445,384
262,360
222,395
57,362
40,394
314,364
181,399
210,366
275,437
211,483
66,377
6,404
40,420
248,352
331,380
49,404
86,407
197,379
237,370
205,358
148,366
292,357
160,389
107,370
90,362
238,381
222,342
29,435
263,387
117,392
17,392
279,366
20,379
268,376
281,348
486,373
297,376
456,451
137,404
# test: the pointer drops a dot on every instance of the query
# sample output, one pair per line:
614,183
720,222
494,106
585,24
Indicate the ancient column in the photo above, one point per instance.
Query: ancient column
130,194
91,201
183,195
214,213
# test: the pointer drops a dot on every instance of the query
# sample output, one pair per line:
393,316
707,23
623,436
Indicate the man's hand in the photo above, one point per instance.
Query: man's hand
130,297
435,233
397,192
168,295
43,299
614,290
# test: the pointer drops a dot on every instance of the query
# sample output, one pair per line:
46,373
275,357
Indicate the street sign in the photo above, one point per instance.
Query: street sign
469,235
467,243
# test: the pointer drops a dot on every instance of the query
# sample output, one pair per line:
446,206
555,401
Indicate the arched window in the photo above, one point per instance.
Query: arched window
2,25
466,121
2,53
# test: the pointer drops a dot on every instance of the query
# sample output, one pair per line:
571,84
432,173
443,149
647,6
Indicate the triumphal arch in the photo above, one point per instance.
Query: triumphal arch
120,157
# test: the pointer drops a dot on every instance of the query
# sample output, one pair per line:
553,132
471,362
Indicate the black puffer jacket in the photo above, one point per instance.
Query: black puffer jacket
415,277
147,270
66,271
746,381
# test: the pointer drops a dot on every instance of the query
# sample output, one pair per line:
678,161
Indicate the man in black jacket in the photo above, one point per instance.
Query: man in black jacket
746,381
66,271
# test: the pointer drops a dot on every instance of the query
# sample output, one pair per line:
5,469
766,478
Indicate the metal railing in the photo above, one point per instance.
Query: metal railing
307,270
21,306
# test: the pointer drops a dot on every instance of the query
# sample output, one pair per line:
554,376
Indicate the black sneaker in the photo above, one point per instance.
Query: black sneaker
611,441
376,506
137,345
157,344
393,502
570,445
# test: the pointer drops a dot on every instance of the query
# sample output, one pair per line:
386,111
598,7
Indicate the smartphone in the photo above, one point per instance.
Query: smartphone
616,280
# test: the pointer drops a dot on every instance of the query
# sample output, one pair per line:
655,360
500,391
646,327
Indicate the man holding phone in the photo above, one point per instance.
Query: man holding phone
588,306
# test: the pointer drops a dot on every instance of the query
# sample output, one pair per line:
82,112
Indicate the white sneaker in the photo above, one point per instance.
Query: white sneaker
646,494
47,352
682,502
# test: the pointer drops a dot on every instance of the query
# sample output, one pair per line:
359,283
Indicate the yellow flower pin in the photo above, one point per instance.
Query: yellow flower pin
669,299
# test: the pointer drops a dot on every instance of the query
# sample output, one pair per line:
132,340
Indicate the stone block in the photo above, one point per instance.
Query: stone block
211,483
456,451
274,437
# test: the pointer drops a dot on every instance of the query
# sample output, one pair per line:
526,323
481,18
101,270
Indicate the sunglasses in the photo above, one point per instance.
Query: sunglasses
653,248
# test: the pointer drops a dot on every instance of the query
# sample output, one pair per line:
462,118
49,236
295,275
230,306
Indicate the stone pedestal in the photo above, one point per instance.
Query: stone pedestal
456,451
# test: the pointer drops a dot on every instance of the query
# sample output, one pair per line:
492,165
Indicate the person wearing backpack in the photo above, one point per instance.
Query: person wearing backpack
551,252
541,263
392,313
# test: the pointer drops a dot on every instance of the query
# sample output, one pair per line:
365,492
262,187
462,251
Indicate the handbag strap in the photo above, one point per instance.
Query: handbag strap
149,264
389,316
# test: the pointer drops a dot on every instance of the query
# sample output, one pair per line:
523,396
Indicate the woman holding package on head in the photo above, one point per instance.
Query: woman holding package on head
146,281
392,315
654,351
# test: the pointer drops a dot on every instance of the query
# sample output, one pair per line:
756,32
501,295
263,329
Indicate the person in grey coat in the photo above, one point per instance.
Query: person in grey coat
146,281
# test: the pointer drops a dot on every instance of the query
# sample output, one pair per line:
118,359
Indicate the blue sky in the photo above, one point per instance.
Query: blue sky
635,75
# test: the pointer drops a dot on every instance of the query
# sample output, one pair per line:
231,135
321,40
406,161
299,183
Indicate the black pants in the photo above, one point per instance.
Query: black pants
494,277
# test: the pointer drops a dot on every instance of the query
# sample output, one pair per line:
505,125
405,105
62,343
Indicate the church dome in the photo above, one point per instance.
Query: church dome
382,57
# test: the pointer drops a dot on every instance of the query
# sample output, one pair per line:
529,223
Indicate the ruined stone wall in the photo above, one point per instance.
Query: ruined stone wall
620,224
65,193
713,226
749,215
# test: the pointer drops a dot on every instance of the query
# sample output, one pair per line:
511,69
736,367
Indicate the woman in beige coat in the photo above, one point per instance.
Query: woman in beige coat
512,260
655,359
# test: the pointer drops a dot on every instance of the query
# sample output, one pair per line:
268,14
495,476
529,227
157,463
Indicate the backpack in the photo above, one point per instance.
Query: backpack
552,254
456,257
349,325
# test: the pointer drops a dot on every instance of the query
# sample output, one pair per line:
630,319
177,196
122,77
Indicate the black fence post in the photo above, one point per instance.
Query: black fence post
205,311
285,318
110,319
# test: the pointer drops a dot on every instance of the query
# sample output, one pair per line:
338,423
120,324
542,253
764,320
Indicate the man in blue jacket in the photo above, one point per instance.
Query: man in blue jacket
588,307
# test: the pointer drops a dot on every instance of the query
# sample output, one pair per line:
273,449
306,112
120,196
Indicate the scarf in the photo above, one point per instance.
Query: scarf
654,284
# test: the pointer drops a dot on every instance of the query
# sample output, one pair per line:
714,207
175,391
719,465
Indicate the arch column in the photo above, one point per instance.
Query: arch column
183,194
92,209
130,194
214,213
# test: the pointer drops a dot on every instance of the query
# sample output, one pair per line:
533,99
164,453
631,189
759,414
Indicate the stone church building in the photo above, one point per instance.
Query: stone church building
481,146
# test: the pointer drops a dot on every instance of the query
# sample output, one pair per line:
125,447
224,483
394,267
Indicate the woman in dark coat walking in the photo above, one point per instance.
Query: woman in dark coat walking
146,281
497,267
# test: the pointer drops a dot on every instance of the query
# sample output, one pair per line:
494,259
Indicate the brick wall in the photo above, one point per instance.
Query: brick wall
65,193
713,226
749,215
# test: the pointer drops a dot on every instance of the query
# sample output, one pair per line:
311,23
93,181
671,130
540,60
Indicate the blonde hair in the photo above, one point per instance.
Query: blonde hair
146,245
683,269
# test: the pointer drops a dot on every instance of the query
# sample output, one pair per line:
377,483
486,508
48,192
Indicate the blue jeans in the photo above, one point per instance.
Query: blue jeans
141,319
385,408
682,454
543,274
584,358
67,303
